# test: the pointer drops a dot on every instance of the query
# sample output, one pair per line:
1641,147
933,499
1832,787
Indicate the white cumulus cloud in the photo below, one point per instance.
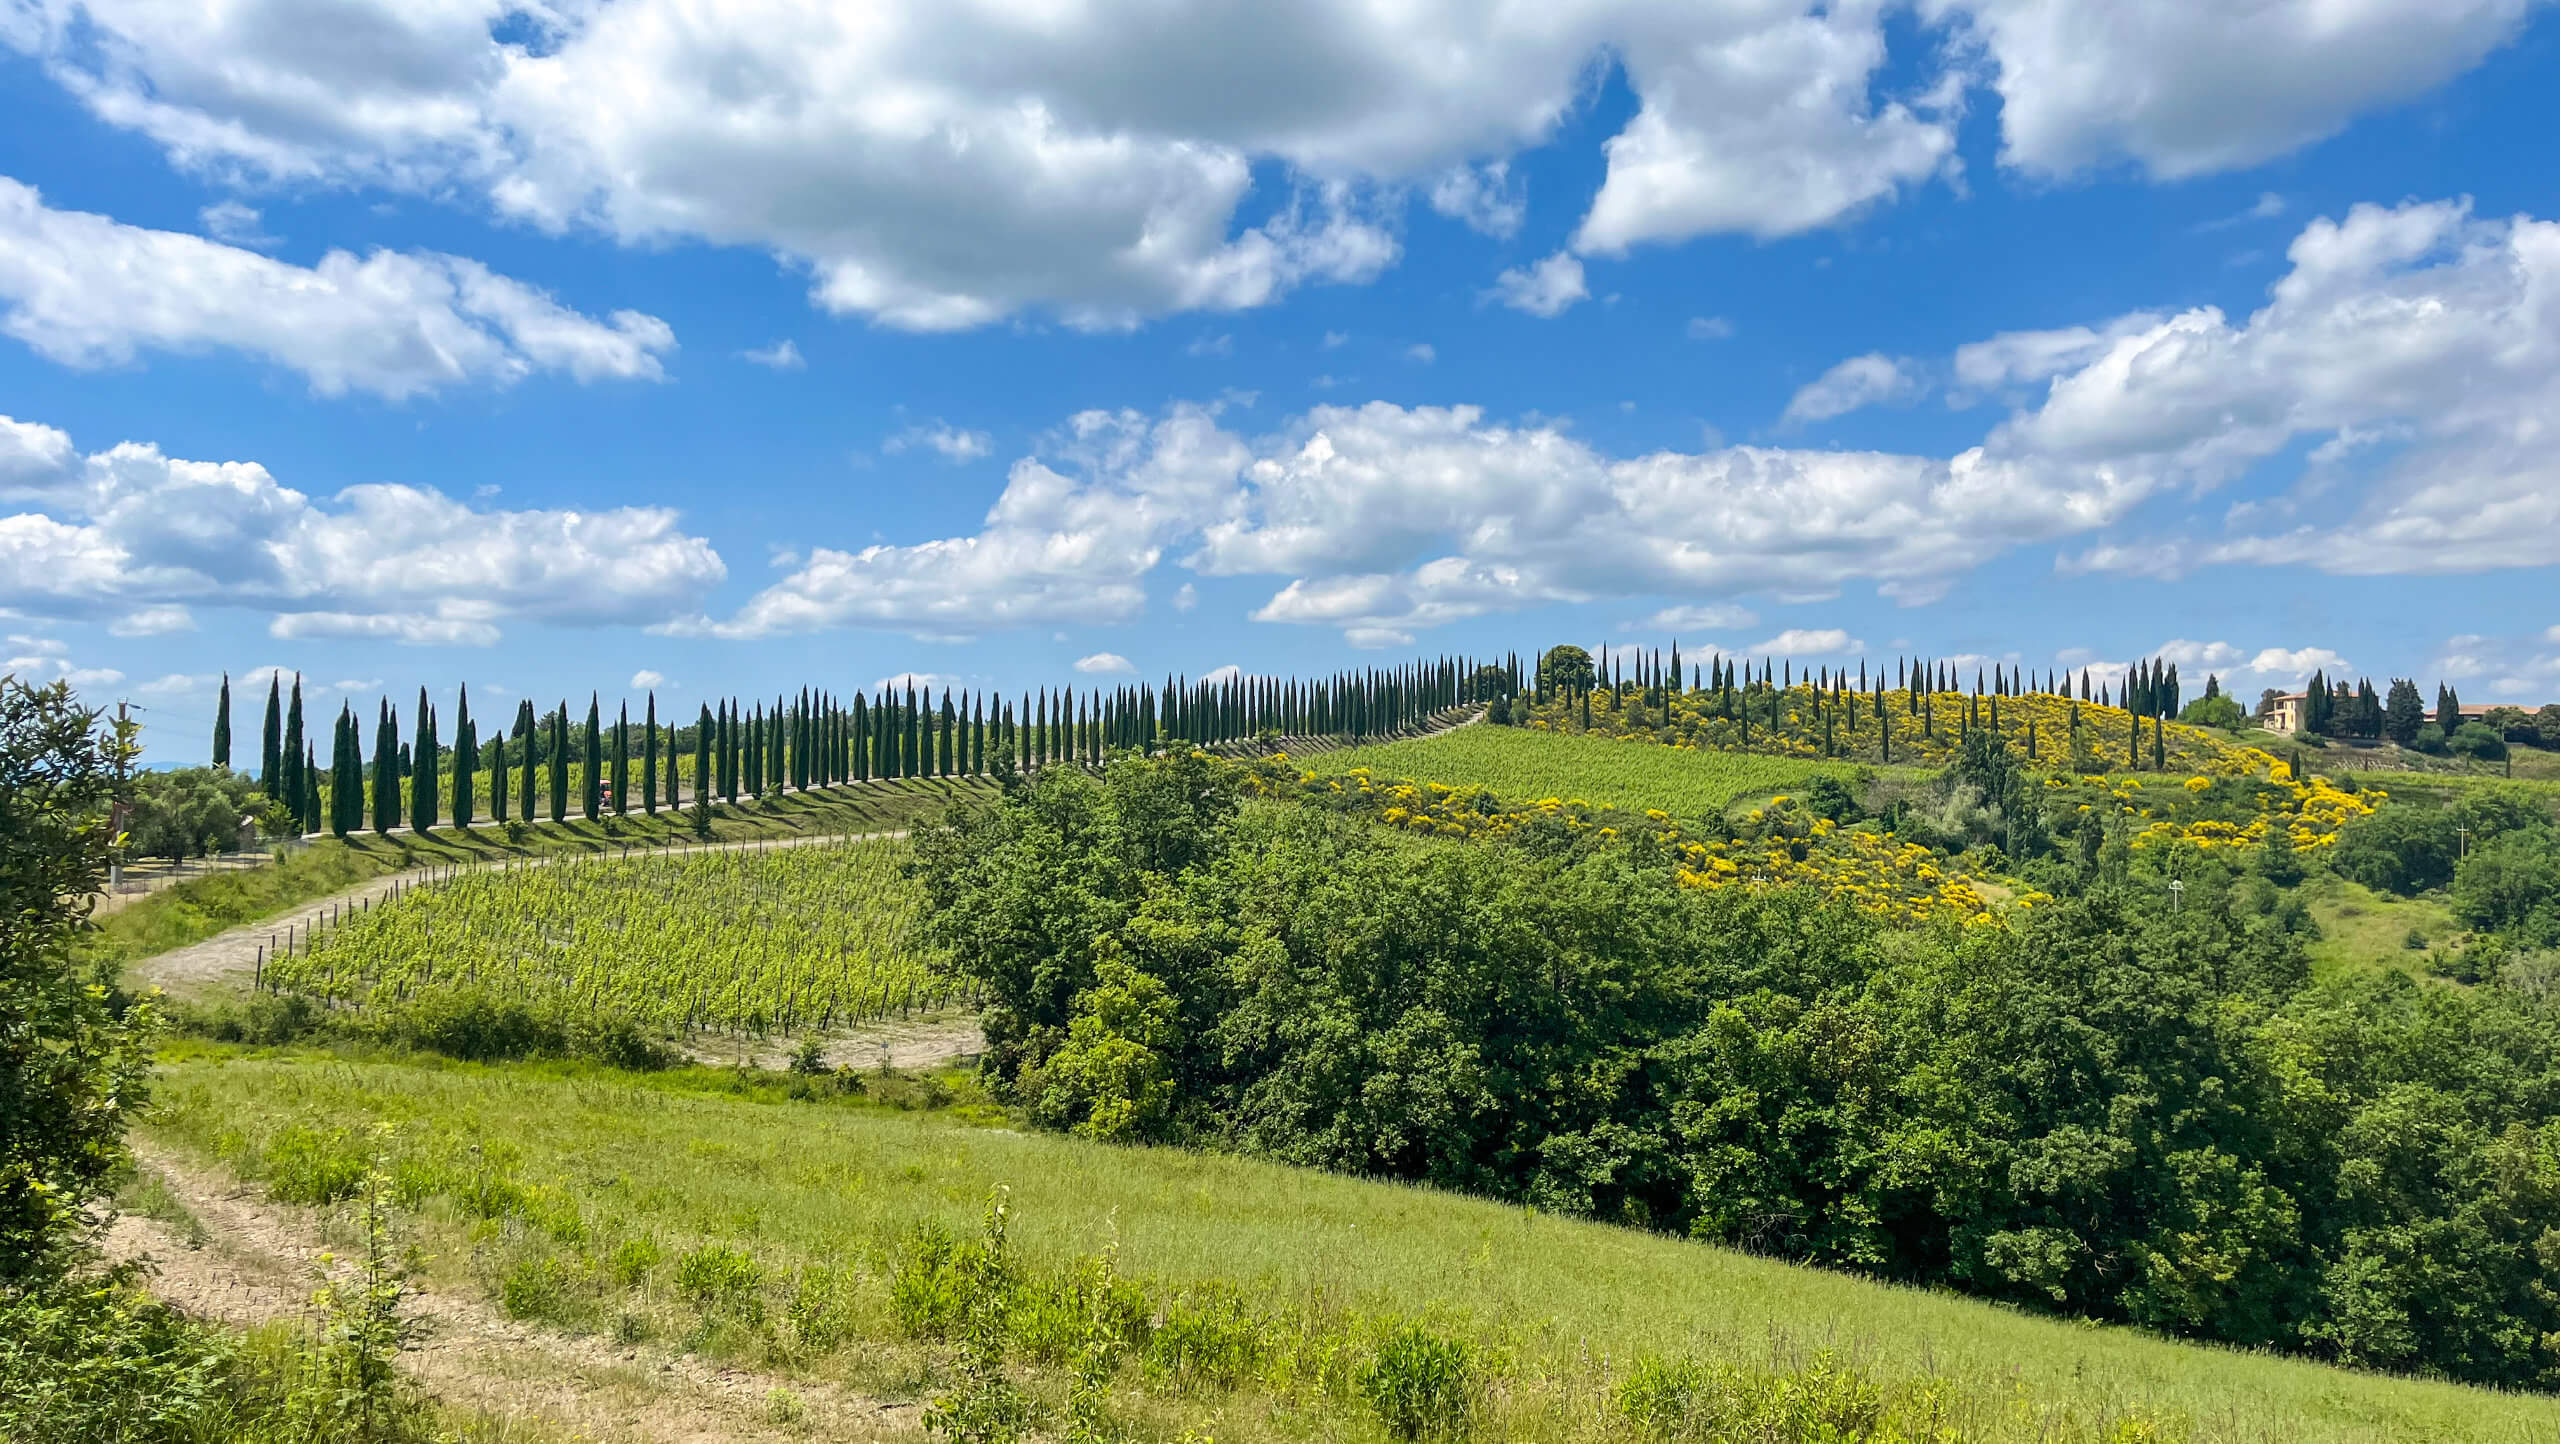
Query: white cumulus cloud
135,535
86,290
1861,381
1547,289
2182,88
1106,664
951,443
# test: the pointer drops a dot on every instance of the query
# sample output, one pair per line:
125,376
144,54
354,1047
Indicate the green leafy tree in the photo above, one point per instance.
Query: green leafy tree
73,1073
1566,669
190,811
2213,710
2402,712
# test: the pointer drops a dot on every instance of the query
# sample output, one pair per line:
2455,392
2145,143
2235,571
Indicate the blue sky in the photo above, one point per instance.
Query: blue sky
556,348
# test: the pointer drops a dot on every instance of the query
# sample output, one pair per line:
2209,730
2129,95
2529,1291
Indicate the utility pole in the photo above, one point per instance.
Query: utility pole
2177,891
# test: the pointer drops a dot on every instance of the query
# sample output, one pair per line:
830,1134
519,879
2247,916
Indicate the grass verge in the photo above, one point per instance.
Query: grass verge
821,1235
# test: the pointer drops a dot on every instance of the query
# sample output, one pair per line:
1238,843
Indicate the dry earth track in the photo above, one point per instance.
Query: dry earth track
257,1263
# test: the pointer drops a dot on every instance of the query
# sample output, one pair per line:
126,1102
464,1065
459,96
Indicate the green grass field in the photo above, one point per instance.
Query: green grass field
571,1194
1523,765
2361,928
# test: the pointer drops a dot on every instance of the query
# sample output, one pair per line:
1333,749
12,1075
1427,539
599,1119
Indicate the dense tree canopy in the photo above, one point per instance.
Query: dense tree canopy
2098,1106
72,1072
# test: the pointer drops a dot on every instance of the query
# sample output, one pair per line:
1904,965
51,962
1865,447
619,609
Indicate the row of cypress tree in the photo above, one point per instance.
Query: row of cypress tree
811,739
2151,687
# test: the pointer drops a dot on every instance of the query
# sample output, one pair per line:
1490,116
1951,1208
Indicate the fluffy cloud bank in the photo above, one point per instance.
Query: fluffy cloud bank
132,534
941,165
88,291
2419,326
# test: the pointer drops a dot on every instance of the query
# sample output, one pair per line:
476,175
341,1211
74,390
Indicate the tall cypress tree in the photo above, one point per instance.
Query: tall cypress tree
499,778
559,727
622,760
529,742
466,761
222,724
591,797
704,732
649,756
310,813
289,784
422,773
386,770
346,774
271,763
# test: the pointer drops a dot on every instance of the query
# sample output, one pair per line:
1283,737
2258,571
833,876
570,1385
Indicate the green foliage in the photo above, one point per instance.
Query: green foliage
354,1391
306,1165
191,811
1423,1384
97,1359
1111,1079
536,1288
925,1291
2511,884
724,1281
2478,740
2098,1104
983,1406
2409,849
1825,1400
1566,668
2214,711
72,1071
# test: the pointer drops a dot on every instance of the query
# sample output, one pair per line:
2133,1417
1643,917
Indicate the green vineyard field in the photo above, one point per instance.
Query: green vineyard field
741,941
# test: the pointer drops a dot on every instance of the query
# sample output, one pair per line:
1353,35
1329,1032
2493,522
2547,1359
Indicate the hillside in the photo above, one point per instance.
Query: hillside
576,1197
1630,773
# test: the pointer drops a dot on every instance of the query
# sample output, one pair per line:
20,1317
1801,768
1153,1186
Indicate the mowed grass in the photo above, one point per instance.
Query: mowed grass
605,1159
1524,765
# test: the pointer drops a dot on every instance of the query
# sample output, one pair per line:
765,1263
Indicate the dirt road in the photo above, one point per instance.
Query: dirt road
249,1261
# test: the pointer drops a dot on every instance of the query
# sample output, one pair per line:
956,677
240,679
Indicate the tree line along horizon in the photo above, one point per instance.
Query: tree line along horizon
531,768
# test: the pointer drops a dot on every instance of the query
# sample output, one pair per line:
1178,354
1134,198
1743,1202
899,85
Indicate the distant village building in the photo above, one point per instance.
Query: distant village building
2283,712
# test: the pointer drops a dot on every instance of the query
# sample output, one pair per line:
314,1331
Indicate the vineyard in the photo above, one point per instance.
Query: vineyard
738,941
